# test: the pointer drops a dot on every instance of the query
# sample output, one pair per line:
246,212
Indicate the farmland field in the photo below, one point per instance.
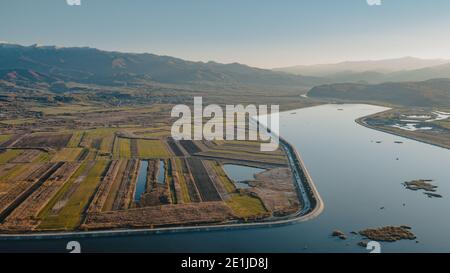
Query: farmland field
67,154
4,138
8,155
246,206
122,148
151,149
70,216
84,164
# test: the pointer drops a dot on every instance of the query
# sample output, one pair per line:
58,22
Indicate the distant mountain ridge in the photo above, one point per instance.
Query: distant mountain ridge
89,65
390,70
430,93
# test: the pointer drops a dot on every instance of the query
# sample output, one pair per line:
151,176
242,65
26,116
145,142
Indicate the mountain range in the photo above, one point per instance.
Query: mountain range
430,93
389,70
88,65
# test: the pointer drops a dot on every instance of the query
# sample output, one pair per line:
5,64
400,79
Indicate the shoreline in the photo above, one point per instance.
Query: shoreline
304,189
361,121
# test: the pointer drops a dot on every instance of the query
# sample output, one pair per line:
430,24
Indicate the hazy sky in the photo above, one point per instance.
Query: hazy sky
260,33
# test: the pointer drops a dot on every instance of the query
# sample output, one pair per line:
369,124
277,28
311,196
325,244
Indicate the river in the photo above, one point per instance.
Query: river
356,170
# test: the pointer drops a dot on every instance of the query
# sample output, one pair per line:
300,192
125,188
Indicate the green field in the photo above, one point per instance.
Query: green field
42,157
18,169
4,138
184,189
226,182
18,121
75,139
70,216
67,154
106,145
246,206
151,149
8,155
122,148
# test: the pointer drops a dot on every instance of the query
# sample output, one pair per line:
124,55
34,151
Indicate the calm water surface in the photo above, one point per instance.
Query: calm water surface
141,181
239,174
355,176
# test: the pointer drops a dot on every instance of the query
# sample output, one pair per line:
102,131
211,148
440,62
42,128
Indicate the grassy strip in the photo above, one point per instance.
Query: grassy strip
70,216
43,214
42,157
75,140
123,148
115,187
184,189
246,206
106,145
227,183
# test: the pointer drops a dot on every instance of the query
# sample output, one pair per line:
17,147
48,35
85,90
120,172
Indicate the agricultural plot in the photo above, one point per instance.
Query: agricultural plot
160,216
18,194
18,121
10,174
25,216
11,140
125,191
43,157
75,140
44,141
246,206
104,189
109,202
190,147
158,192
107,144
27,156
67,154
226,182
79,169
122,148
202,180
95,143
177,172
4,138
70,215
8,155
151,149
174,147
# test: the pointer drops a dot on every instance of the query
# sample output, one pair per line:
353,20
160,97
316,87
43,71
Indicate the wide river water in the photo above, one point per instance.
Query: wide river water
356,177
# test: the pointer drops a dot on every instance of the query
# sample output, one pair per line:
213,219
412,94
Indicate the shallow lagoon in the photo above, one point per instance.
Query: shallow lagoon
240,174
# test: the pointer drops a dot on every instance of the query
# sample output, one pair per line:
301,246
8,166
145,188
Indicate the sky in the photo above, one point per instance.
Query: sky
261,33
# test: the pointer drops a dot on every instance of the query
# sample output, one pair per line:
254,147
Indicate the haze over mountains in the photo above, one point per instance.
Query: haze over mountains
405,81
430,93
390,70
88,65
